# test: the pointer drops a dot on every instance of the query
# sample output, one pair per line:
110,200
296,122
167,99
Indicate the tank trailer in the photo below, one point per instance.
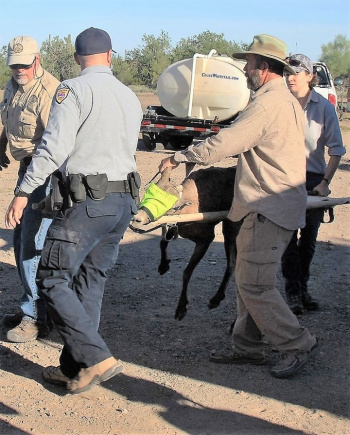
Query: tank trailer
198,97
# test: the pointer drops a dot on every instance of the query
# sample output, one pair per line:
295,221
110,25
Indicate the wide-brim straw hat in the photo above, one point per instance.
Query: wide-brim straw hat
268,46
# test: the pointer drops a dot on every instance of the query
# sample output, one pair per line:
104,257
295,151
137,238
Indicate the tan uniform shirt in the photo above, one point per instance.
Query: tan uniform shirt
269,138
25,111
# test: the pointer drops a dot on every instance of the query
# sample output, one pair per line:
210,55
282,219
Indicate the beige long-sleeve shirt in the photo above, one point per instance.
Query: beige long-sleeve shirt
25,112
269,138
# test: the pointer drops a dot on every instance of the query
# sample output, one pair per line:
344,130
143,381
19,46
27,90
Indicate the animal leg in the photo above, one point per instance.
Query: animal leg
168,233
199,252
230,231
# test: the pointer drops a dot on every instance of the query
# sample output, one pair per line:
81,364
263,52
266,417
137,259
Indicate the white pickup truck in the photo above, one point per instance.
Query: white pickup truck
325,84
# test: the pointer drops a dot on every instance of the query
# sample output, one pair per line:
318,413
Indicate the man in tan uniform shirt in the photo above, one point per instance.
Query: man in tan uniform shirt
270,199
24,113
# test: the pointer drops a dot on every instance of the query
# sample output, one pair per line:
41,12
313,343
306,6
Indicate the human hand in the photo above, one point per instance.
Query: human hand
322,189
169,162
15,211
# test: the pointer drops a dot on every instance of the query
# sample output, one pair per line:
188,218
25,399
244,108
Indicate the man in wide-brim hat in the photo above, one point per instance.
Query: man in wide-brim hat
269,200
265,50
269,47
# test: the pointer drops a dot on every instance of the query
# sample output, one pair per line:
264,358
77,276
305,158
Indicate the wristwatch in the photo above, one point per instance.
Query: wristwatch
20,193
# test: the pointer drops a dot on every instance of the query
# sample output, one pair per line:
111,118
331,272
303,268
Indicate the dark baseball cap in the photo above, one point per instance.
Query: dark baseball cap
93,41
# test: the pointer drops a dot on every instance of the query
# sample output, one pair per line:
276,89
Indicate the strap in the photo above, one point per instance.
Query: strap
330,211
118,187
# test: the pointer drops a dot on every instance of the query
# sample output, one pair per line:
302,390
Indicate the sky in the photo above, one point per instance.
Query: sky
303,25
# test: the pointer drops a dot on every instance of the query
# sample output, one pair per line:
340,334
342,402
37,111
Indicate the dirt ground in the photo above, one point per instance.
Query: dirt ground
168,385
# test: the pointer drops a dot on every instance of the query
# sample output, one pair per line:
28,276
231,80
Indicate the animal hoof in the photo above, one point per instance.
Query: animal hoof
214,303
163,268
180,313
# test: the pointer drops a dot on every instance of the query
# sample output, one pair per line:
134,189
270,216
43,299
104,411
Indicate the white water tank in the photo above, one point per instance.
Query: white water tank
219,88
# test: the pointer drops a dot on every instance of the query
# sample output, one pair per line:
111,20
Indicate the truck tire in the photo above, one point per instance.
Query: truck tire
180,142
149,142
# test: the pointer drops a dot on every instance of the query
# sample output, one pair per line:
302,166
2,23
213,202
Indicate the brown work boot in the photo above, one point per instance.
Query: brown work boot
295,304
53,375
291,363
27,330
309,303
238,358
94,375
12,320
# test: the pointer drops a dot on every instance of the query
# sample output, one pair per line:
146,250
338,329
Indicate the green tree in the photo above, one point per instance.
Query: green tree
204,43
5,72
57,57
124,70
336,55
149,60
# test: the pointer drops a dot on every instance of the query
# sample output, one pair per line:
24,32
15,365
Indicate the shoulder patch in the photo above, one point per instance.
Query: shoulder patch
61,94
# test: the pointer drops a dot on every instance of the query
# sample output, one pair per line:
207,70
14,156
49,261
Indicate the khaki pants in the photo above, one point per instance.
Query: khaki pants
261,310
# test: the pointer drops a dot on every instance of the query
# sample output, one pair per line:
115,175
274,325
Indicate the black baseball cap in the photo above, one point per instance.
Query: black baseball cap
93,41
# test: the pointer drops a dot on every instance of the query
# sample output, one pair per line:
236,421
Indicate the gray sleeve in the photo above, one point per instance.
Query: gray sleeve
332,134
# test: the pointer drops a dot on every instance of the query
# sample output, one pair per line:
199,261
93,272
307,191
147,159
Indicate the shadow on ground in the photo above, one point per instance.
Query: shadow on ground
139,326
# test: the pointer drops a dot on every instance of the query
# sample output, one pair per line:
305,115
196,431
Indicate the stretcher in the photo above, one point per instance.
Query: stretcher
313,202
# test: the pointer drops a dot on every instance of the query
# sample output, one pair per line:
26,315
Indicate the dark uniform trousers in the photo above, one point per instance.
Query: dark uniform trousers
81,245
297,259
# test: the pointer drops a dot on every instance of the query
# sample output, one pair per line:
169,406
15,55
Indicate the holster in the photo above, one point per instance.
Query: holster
56,199
134,180
57,191
76,187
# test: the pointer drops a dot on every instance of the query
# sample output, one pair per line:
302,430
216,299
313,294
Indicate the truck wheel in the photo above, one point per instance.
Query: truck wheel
149,141
180,142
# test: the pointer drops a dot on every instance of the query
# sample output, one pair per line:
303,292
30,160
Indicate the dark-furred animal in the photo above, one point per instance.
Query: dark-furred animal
205,190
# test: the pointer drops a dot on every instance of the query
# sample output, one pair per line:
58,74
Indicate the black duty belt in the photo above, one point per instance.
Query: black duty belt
118,187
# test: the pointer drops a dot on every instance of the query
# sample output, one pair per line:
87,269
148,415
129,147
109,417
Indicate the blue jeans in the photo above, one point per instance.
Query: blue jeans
81,245
28,240
296,260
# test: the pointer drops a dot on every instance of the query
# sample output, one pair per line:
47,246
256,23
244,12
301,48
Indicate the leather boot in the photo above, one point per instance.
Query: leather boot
94,375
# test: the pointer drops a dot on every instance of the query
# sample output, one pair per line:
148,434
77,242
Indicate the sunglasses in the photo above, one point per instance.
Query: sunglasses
21,66
297,63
